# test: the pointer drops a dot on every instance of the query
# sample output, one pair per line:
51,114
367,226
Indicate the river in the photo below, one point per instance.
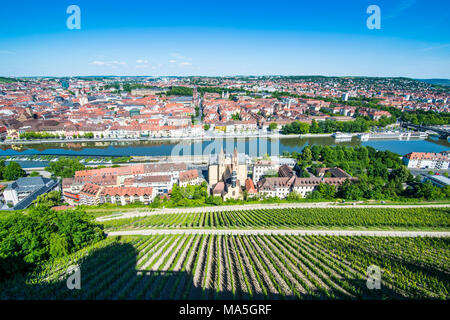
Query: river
252,146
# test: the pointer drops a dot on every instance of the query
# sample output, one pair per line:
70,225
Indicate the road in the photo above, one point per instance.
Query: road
284,232
133,214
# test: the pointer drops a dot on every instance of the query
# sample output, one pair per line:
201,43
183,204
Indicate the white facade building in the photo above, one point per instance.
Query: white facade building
426,160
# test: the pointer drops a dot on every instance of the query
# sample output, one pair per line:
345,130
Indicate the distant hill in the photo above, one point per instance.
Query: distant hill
439,82
7,80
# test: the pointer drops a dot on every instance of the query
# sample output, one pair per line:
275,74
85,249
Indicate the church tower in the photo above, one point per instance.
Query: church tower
221,164
195,96
235,160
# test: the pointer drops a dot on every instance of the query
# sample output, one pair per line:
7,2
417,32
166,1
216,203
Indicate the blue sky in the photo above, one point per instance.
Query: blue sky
225,38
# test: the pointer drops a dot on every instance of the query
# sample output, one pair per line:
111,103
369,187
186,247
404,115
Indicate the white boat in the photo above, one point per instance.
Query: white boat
364,136
393,135
342,136
414,135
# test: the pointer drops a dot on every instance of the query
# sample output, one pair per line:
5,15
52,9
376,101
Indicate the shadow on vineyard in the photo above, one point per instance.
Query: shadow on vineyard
111,273
197,267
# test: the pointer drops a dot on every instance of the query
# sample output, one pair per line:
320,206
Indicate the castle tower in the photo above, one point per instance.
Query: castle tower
233,179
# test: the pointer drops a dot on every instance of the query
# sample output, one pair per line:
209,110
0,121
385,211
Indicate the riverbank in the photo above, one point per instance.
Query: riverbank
182,138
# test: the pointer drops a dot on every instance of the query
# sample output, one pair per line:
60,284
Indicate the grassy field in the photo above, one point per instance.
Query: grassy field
291,218
245,267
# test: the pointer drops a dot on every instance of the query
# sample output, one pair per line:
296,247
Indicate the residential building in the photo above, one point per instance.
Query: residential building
426,160
22,192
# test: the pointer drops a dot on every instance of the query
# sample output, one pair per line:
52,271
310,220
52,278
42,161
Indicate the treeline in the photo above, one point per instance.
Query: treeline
426,118
9,80
45,135
329,126
381,174
39,135
28,240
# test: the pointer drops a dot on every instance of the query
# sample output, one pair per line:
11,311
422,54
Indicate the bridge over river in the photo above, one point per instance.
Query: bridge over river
443,133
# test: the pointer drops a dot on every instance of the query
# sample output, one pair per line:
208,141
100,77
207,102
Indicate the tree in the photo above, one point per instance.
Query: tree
236,116
316,152
315,127
206,127
293,196
52,198
307,154
273,126
65,167
2,168
156,202
428,191
351,191
59,245
214,200
13,171
35,174
176,195
326,191
295,127
402,174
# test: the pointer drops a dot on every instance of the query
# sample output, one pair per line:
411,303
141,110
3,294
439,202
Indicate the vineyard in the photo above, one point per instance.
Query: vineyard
197,266
387,218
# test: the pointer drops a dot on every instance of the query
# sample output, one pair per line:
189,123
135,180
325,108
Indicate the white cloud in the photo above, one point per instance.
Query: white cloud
185,63
436,47
108,63
98,63
177,55
172,61
143,61
180,56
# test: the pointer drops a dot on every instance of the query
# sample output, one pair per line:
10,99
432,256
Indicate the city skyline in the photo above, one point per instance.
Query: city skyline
181,39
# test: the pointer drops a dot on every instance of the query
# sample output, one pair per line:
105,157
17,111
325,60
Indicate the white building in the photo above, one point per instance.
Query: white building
261,168
426,160
281,187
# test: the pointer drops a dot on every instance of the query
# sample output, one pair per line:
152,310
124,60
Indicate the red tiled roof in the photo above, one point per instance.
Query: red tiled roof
130,191
188,175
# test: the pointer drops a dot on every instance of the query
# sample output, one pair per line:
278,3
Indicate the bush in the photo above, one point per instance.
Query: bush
28,240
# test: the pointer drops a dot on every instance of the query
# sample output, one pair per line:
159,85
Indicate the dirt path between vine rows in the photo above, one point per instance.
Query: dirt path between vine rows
283,232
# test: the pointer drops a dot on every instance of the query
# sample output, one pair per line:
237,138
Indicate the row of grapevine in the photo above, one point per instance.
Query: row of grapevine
406,218
196,266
